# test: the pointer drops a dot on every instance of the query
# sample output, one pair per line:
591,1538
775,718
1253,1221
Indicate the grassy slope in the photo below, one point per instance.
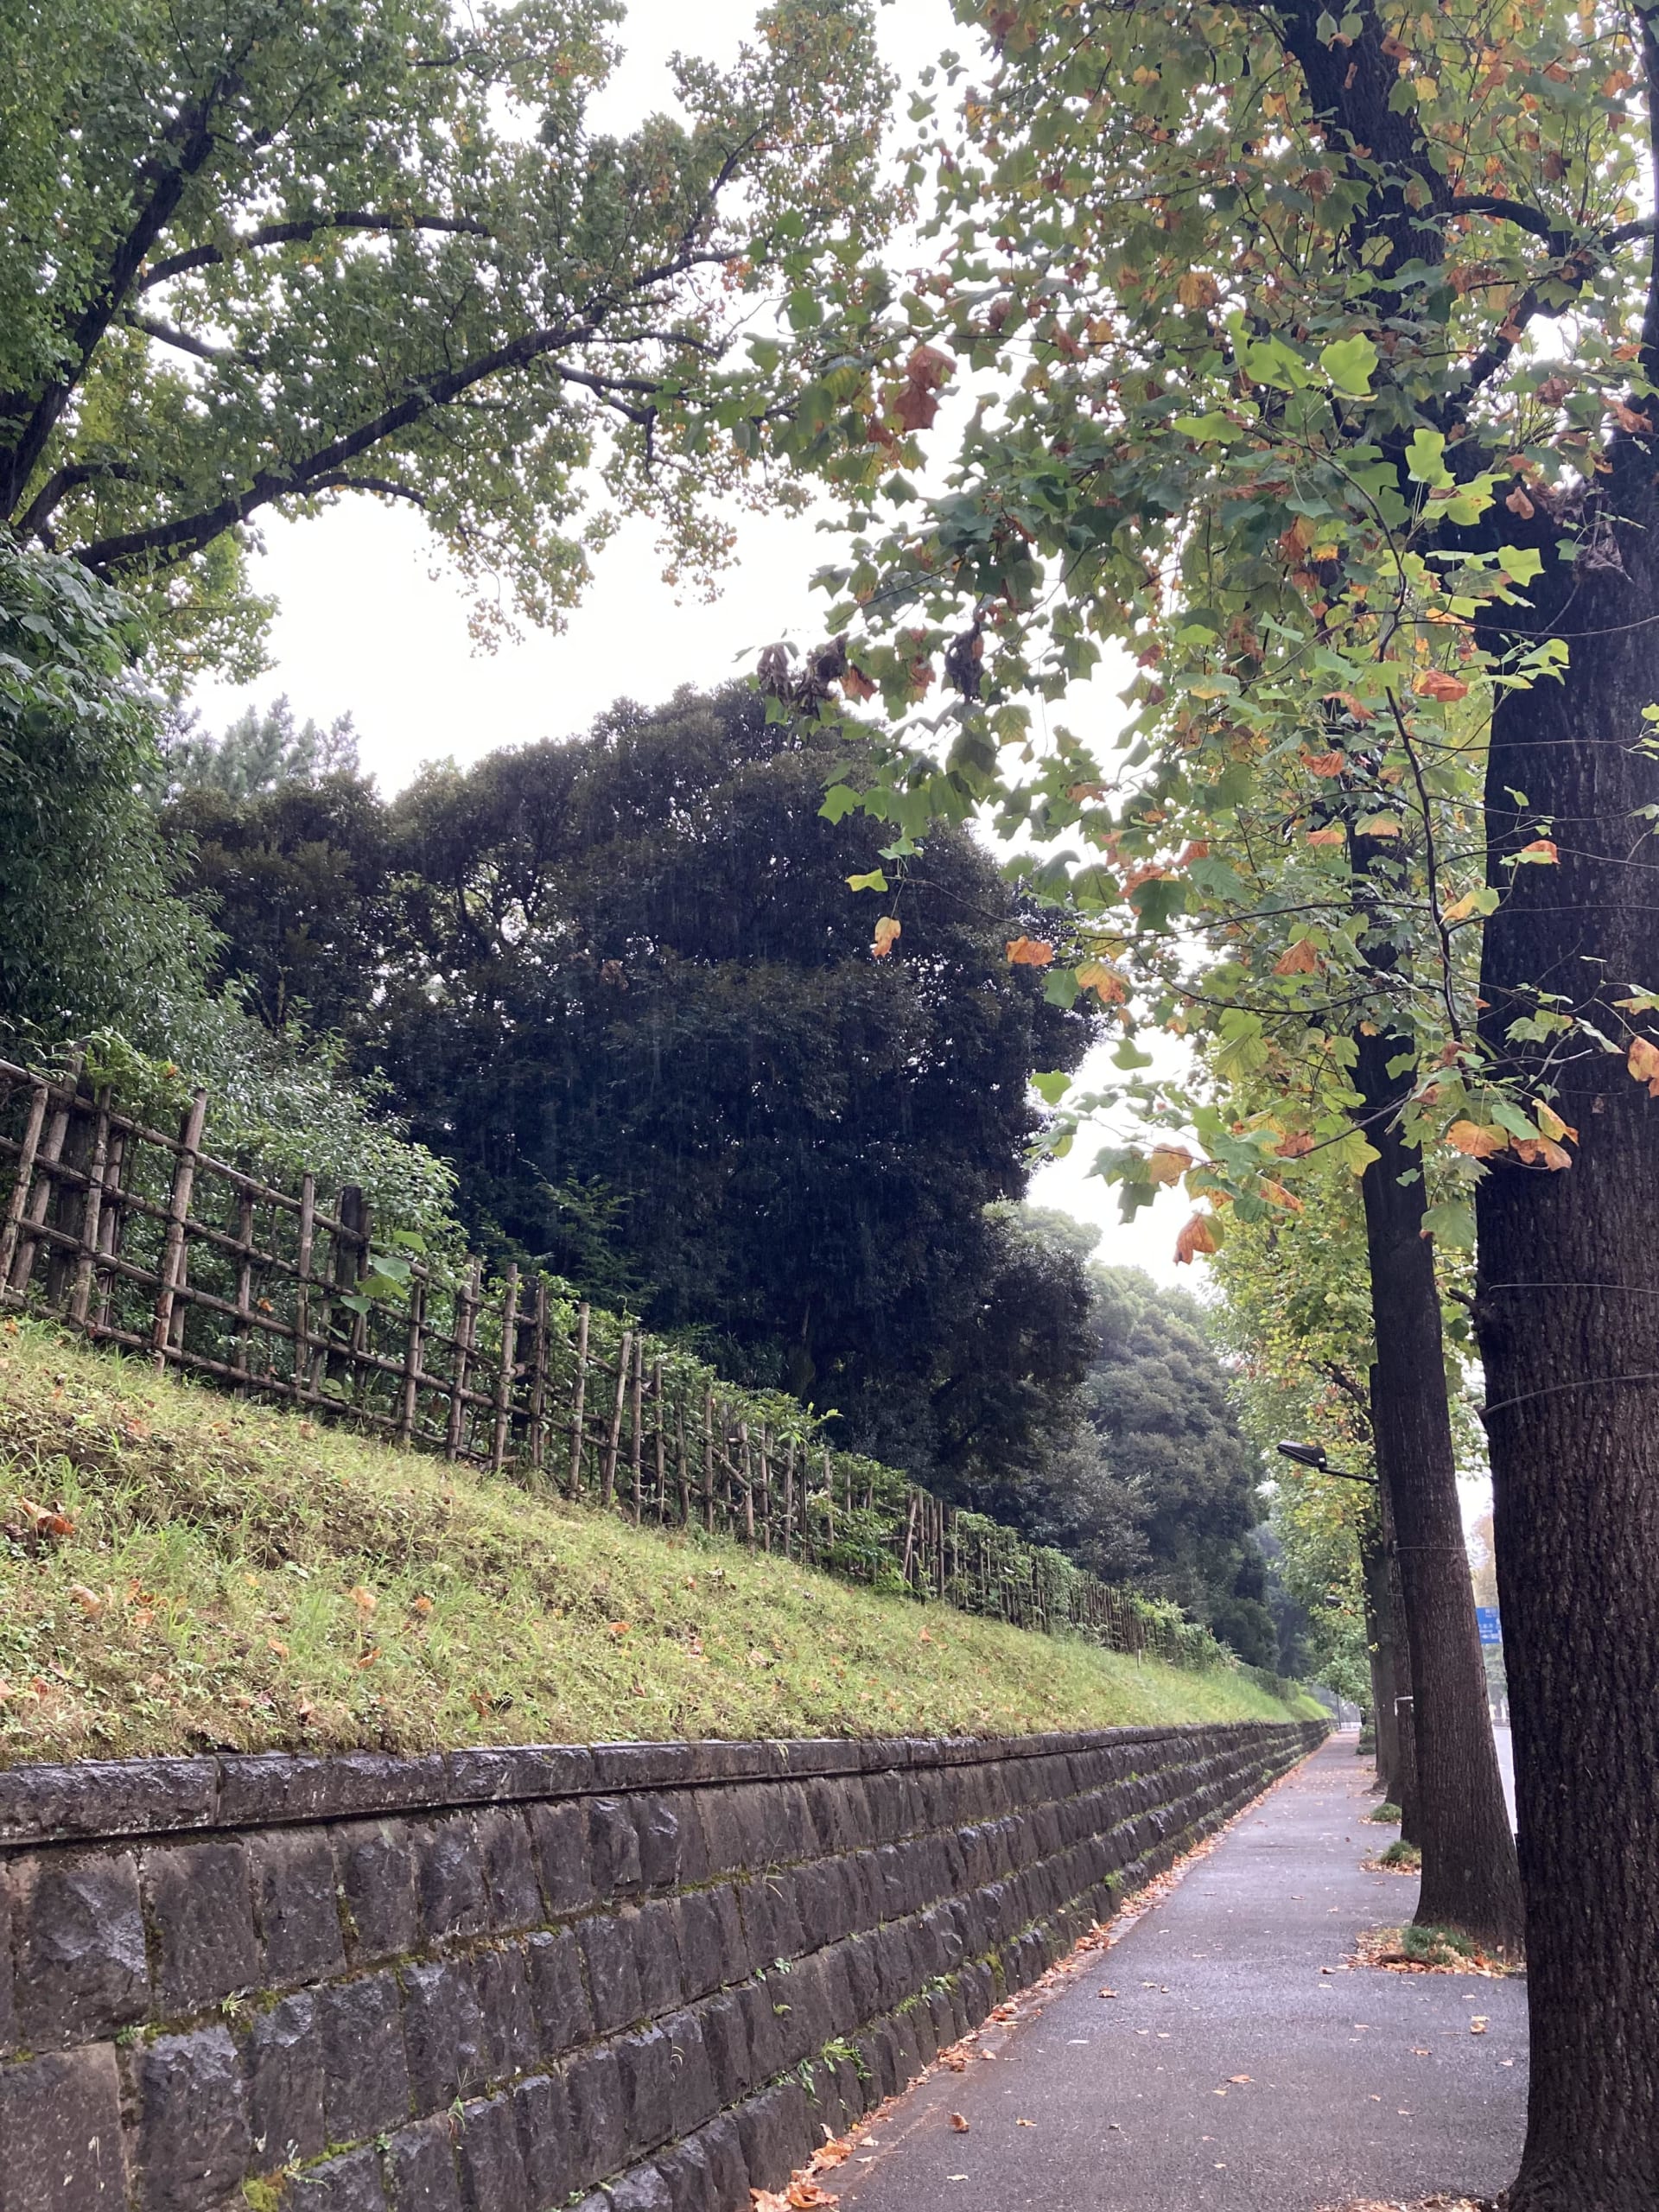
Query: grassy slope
237,1576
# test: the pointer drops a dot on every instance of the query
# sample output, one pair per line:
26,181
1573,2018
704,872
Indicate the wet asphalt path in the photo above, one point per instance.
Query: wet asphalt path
1361,2083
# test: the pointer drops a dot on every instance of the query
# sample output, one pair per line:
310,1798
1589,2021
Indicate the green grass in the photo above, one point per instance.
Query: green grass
231,1575
1450,1949
1406,1857
1388,1813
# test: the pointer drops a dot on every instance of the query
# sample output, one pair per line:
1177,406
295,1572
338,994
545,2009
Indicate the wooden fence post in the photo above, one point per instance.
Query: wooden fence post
636,1440
37,1202
607,1472
504,1373
409,1399
303,1286
662,1438
577,1406
466,1321
39,1091
110,1221
80,1297
242,1357
538,1379
709,1460
178,1212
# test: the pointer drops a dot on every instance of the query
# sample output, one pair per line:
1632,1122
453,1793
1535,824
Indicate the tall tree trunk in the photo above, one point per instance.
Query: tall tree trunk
1409,1799
1568,1312
1396,1736
1471,1880
1379,1637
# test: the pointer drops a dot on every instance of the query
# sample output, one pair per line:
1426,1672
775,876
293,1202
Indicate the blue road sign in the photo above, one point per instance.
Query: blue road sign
1492,1629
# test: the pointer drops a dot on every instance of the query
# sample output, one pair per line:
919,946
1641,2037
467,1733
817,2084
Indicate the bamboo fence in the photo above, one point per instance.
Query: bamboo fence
140,1239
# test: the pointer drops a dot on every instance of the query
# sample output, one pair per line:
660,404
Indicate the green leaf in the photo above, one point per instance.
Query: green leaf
840,801
1350,363
1425,458
1520,563
1051,1087
875,881
1451,1223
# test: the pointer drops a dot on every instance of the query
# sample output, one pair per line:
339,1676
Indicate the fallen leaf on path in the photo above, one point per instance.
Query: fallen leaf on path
959,2123
1025,2123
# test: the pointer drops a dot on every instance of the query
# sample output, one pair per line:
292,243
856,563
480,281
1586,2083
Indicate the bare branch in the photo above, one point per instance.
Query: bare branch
168,334
387,486
302,228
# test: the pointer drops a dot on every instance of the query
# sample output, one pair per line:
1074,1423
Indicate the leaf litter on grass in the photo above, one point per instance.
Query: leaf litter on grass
1429,1950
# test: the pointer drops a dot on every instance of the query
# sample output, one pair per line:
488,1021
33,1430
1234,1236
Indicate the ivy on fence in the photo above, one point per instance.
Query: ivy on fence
143,1240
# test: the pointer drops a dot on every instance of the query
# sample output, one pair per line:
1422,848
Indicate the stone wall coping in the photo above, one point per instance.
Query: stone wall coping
105,1799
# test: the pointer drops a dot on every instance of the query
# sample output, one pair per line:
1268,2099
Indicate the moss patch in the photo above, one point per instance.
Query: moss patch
181,1571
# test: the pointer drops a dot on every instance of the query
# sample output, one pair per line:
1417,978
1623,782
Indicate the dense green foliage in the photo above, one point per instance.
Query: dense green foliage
258,255
622,985
1089,1409
259,752
87,931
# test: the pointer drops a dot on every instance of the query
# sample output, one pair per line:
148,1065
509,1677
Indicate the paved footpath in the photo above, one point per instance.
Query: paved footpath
1361,2082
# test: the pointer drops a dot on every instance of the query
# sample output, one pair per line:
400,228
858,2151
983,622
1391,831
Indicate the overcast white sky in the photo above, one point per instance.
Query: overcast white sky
366,626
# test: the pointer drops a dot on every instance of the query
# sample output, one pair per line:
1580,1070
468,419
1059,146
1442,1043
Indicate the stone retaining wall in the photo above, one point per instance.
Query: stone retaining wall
634,1977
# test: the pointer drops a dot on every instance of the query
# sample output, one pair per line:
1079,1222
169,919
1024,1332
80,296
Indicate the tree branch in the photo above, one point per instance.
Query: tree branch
168,334
303,227
63,482
187,534
190,141
387,486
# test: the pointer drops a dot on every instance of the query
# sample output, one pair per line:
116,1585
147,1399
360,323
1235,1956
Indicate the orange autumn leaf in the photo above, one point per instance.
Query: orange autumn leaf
917,401
1167,1163
1196,848
365,1600
1325,764
1030,952
1295,1145
89,1601
1149,871
1519,503
1643,1063
1541,852
1299,959
1441,684
1479,1140
888,930
1105,982
1360,712
856,685
1198,1235
1550,1124
1332,834
1631,418
1538,1152
1282,1196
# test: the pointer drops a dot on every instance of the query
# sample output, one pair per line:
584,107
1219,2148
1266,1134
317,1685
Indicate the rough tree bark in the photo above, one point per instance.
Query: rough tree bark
1379,1637
1470,1878
1568,1314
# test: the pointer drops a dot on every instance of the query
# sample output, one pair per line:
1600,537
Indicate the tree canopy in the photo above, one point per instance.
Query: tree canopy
622,984
261,256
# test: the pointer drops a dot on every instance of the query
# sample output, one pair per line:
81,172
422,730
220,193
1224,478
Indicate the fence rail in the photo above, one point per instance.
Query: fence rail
142,1239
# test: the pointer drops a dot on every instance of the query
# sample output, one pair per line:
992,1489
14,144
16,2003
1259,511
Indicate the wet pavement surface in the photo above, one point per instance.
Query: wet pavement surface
1241,2066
